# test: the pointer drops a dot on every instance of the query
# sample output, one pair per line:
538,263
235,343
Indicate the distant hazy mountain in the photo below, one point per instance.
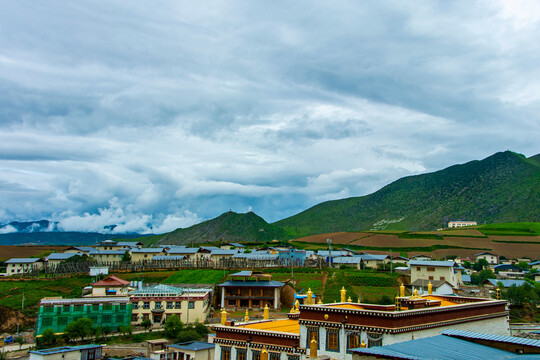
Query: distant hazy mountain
504,187
45,232
227,227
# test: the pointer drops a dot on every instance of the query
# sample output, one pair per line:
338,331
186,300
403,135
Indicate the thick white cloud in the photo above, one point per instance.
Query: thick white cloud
152,117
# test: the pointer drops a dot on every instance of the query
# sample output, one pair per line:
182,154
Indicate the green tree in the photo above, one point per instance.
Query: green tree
81,328
187,335
19,340
173,326
48,337
146,324
126,257
467,264
480,264
201,329
523,265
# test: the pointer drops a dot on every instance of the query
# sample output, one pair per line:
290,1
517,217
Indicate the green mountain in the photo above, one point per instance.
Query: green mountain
504,187
228,227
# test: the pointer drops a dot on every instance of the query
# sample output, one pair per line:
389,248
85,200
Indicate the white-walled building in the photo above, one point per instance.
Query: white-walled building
436,270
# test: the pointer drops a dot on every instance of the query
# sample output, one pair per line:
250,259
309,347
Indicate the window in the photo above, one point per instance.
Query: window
241,354
312,333
46,321
157,305
418,268
332,340
95,307
430,268
62,320
66,308
353,340
191,305
170,305
119,318
135,306
107,307
134,317
293,357
122,307
430,277
442,278
274,356
178,305
225,353
374,339
78,308
255,355
107,319
48,309
146,305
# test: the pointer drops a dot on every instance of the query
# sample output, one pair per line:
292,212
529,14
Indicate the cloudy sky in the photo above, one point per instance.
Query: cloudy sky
158,115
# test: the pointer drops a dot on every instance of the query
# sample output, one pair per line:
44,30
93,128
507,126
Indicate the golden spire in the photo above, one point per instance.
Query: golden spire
415,294
312,348
349,299
246,318
343,294
498,294
320,301
309,298
402,290
266,314
297,305
223,317
429,288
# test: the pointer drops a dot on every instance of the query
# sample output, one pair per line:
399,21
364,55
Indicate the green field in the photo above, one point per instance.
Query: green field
11,292
197,276
511,229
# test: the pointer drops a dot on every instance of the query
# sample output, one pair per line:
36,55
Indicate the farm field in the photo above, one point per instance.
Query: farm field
9,251
337,238
197,276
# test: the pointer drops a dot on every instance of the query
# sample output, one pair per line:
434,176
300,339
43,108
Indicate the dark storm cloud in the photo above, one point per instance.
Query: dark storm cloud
158,116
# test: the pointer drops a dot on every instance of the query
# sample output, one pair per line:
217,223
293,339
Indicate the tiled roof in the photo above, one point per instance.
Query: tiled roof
434,283
111,280
107,252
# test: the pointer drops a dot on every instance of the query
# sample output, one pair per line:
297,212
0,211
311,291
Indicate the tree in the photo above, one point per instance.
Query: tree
523,265
126,257
126,330
146,324
19,340
48,337
480,264
187,335
467,264
173,326
201,329
80,328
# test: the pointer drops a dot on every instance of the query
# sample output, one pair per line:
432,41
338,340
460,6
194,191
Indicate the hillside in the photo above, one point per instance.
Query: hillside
227,227
504,187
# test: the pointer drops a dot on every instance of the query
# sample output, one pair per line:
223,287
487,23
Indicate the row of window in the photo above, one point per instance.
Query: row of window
159,305
64,320
241,354
332,339
83,308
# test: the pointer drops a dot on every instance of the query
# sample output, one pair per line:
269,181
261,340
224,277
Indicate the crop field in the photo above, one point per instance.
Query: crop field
8,251
11,292
511,229
313,281
337,238
146,277
197,276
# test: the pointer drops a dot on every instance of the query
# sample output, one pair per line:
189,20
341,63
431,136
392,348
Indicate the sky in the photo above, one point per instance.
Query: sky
158,115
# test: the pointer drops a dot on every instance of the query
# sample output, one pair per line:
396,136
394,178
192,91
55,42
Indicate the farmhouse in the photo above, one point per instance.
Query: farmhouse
159,302
457,224
16,266
57,258
81,352
333,330
108,256
110,286
436,270
492,259
144,254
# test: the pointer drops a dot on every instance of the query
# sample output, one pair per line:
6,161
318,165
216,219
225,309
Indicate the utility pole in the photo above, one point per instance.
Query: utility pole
22,305
391,258
292,266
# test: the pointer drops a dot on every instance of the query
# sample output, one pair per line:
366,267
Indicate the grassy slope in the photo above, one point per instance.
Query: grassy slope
228,227
501,188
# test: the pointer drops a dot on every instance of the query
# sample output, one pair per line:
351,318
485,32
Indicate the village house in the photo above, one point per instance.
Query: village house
108,256
56,313
159,302
232,245
79,249
144,254
110,286
57,258
80,352
250,289
439,287
436,270
333,330
491,258
191,350
457,224
16,266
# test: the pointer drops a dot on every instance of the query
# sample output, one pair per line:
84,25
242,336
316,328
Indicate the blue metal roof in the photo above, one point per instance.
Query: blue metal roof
252,283
183,250
466,278
242,273
146,250
168,257
62,349
193,345
506,283
62,256
22,260
438,347
491,337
